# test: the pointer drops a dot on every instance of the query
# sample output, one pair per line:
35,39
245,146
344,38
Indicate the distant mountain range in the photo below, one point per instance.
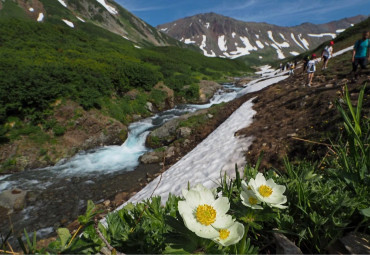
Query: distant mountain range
220,36
84,14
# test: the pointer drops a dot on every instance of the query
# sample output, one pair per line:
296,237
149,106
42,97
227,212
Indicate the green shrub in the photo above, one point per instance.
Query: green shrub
59,130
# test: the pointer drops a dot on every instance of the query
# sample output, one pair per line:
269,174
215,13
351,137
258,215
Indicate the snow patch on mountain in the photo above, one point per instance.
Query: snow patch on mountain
338,31
80,19
260,45
233,34
40,17
340,52
62,3
257,36
278,51
323,34
295,40
164,29
109,8
241,51
280,45
282,36
267,44
303,41
203,46
222,43
69,23
260,57
207,25
294,53
189,41
31,9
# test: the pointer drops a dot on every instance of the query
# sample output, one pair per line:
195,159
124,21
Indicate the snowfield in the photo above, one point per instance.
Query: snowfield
215,155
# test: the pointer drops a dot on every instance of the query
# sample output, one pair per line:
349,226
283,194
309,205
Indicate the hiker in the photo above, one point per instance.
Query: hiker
311,68
291,69
305,61
360,53
326,54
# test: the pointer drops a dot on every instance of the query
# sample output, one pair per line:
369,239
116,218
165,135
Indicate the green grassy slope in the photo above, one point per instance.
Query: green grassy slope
40,62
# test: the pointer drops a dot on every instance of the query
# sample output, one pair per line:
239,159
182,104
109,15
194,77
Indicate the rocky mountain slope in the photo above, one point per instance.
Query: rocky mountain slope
221,36
85,14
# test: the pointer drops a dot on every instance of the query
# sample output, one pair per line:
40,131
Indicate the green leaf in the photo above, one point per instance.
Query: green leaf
64,236
365,212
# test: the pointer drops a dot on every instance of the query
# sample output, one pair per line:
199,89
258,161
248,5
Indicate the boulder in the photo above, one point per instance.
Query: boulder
183,132
356,243
14,199
149,106
169,102
168,133
132,94
151,157
284,245
207,89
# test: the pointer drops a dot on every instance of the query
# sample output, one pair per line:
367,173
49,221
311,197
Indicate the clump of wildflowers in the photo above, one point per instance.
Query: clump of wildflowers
206,216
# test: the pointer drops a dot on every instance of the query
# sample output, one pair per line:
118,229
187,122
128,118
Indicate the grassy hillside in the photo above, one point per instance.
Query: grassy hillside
40,63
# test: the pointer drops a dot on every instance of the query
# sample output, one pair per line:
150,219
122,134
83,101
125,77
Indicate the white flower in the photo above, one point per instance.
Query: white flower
231,235
248,197
203,214
268,191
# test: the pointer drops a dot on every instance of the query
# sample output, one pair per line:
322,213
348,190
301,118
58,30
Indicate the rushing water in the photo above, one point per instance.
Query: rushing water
62,190
109,159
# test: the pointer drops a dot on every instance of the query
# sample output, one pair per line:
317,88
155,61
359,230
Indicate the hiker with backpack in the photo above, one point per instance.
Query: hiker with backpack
305,61
360,54
311,68
326,54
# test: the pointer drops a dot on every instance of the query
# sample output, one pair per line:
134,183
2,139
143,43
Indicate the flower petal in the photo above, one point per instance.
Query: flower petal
193,198
200,230
236,234
223,221
221,205
260,180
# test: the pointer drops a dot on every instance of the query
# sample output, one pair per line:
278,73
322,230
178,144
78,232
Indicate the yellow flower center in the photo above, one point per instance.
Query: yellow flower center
265,191
253,200
224,233
205,214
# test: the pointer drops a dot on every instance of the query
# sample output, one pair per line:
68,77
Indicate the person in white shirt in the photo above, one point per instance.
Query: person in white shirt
311,68
327,53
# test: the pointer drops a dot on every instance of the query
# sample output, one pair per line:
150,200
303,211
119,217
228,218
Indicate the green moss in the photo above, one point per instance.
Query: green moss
154,141
123,135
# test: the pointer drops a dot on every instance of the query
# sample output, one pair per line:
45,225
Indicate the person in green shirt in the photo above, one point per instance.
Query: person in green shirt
360,54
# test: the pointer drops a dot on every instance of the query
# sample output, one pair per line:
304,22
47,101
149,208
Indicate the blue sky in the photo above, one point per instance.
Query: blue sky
279,12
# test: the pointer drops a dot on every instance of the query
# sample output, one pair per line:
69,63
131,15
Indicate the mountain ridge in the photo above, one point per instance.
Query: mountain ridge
221,36
105,14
